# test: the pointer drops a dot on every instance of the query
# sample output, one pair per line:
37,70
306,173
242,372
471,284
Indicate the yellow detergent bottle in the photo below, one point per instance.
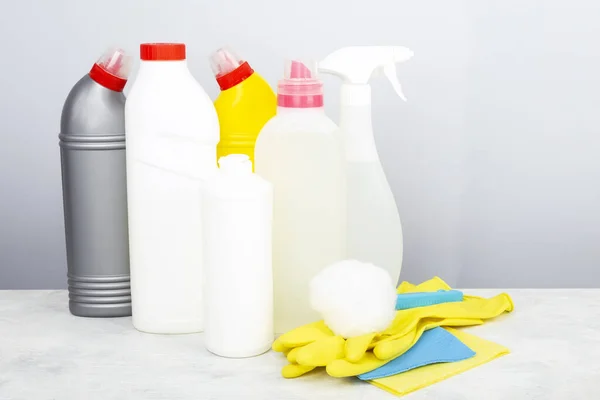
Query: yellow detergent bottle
245,104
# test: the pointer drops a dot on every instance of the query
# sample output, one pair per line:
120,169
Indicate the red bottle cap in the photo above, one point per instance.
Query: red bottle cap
236,76
112,69
228,68
162,51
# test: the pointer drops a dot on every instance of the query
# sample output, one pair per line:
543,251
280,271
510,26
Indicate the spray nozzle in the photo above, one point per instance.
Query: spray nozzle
389,71
356,64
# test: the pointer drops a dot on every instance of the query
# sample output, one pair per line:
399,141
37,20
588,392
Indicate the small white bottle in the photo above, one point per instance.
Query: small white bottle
172,132
299,152
238,276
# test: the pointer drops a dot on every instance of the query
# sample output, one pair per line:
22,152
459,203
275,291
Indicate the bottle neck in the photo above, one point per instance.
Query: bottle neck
235,165
179,66
356,124
294,110
166,75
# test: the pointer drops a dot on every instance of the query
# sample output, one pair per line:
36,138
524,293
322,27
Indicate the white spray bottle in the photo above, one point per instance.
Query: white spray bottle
374,229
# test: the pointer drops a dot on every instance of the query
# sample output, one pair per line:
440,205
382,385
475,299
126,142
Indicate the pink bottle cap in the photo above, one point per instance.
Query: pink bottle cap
299,87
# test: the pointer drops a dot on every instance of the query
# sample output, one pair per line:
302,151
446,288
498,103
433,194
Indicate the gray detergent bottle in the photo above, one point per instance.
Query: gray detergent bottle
92,149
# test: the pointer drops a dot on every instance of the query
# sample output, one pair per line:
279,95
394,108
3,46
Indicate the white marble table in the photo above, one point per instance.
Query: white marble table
47,354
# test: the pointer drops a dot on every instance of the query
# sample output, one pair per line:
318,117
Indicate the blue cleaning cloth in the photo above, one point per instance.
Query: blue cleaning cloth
424,299
436,345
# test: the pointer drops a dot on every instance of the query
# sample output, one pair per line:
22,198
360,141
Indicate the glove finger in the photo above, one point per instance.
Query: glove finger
357,346
321,352
301,336
295,370
387,350
394,346
461,322
470,308
291,355
343,368
432,285
403,322
481,308
405,287
279,347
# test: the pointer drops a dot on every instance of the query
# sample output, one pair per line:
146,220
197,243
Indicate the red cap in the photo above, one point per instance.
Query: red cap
162,51
106,79
229,68
234,77
112,69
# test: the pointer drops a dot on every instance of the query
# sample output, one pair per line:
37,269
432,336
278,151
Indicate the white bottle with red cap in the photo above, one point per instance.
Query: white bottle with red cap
299,152
172,132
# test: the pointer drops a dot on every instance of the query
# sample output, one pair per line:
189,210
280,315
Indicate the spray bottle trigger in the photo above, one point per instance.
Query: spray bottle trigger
390,72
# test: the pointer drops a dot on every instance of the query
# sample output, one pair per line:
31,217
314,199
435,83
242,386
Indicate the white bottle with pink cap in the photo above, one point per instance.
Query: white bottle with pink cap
299,152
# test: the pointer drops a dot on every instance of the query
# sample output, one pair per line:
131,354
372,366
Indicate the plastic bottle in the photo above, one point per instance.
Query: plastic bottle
238,284
374,227
299,153
245,104
172,134
92,149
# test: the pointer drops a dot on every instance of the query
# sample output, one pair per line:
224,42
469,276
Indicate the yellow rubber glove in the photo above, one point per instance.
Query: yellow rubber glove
408,320
315,345
368,361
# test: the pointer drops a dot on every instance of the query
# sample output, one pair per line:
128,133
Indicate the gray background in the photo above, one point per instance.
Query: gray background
494,160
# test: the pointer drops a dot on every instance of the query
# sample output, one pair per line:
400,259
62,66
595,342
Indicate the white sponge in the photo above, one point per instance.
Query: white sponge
354,298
